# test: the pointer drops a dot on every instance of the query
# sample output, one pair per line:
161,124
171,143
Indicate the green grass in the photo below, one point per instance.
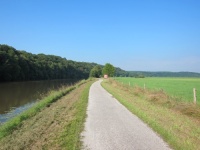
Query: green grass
181,88
180,131
53,96
71,136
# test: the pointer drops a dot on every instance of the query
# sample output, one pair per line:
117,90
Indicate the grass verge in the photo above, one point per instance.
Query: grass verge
180,88
70,138
179,127
16,122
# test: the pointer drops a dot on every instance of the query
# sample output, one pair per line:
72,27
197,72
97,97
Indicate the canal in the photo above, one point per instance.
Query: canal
16,97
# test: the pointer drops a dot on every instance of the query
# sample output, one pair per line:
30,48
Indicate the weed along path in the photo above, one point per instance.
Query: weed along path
110,126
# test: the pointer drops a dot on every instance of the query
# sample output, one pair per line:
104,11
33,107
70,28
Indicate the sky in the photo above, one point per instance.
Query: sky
135,35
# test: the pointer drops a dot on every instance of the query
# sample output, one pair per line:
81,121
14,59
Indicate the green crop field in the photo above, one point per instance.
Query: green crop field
181,88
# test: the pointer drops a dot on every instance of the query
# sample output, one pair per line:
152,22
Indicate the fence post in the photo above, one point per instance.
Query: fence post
195,97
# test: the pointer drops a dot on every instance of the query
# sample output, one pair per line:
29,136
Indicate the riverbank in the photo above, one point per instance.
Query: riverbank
177,123
14,95
53,123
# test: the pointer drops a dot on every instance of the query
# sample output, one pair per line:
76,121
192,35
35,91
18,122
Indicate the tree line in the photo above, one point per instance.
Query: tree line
161,74
16,65
98,71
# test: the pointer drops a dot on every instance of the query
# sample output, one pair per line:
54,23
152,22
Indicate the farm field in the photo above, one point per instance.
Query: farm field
180,88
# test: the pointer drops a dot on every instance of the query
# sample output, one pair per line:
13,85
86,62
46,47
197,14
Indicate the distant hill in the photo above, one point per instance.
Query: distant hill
162,74
122,73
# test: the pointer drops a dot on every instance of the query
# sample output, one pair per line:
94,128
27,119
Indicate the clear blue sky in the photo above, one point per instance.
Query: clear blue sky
145,35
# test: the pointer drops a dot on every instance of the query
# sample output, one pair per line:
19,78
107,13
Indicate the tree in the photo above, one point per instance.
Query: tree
16,65
96,71
109,70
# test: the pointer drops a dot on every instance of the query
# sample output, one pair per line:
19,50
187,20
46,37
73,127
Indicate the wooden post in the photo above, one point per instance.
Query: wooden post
195,97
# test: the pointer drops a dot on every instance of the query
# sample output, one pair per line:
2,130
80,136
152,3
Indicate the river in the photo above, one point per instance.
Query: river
16,97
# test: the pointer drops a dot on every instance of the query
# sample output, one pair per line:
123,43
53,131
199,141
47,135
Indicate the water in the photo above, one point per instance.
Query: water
14,111
16,97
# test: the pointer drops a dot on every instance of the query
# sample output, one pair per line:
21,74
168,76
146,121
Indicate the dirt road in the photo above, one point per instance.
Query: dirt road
110,126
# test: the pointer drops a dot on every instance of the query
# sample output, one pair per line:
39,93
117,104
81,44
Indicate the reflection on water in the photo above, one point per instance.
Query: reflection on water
15,111
17,94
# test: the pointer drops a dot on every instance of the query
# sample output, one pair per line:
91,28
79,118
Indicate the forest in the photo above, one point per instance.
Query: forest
16,65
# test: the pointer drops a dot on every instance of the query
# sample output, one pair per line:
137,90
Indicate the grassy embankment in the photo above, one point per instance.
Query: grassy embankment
177,122
53,123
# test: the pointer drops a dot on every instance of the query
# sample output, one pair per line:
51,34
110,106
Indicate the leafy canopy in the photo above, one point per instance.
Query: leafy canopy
109,70
18,65
96,71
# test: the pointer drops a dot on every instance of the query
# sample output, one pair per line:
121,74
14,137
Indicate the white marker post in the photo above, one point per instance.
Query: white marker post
195,97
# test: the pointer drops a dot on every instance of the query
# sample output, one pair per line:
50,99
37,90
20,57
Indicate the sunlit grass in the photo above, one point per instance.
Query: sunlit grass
181,88
53,96
71,138
55,126
178,123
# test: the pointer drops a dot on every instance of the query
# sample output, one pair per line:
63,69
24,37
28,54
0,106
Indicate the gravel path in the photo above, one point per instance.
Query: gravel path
110,126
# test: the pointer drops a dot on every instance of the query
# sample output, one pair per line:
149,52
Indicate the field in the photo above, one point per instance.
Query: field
180,88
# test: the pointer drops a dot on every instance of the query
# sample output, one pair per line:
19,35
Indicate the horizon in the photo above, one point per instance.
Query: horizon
108,62
150,36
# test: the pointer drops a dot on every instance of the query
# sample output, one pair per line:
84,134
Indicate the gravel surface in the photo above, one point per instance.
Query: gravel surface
110,126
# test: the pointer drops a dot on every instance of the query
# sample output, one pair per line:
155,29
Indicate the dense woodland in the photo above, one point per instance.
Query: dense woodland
16,65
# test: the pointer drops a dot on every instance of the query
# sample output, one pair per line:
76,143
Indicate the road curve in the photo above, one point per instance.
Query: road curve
110,126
